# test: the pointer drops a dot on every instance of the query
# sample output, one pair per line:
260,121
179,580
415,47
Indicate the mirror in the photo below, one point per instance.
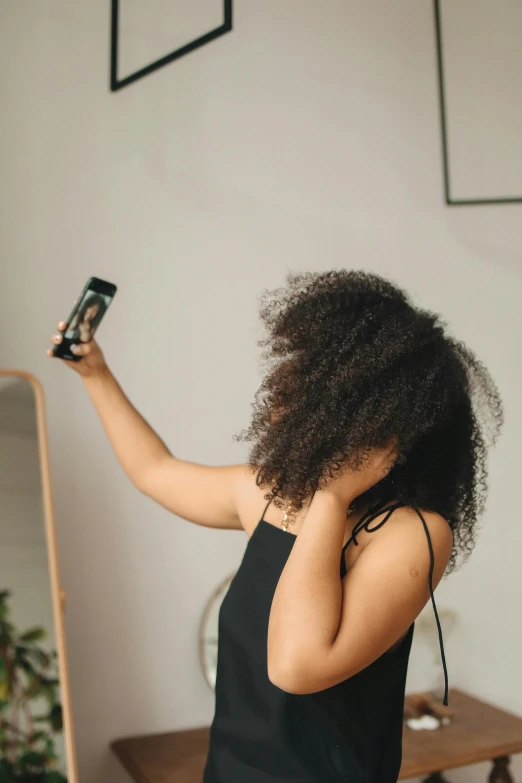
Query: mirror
208,632
36,738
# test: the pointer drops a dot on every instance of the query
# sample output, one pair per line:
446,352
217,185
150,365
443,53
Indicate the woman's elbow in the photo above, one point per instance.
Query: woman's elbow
292,678
285,677
304,678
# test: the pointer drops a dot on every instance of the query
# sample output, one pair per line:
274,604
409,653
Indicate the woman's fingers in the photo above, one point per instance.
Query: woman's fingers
61,325
65,361
81,349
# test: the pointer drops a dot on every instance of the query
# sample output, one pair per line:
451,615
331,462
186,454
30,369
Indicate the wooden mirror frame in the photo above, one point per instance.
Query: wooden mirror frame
57,592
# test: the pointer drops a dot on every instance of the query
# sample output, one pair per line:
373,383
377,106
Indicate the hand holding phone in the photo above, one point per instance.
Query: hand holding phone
75,338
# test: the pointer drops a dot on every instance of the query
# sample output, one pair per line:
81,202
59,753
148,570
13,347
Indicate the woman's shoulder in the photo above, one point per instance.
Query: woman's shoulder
436,523
414,526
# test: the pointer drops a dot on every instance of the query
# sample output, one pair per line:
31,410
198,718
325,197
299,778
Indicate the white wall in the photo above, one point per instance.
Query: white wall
307,139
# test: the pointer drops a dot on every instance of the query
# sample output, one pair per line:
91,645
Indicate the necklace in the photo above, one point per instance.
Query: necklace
289,515
287,511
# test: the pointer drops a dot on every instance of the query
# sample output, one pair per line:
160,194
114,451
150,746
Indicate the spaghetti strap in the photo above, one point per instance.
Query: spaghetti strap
439,629
264,512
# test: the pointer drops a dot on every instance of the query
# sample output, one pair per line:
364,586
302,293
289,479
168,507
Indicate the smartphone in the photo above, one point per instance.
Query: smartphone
90,307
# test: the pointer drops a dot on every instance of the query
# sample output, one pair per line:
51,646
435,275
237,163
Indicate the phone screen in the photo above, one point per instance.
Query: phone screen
86,316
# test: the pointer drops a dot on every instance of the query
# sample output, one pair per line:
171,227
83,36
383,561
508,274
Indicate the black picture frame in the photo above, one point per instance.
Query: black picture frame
118,84
450,201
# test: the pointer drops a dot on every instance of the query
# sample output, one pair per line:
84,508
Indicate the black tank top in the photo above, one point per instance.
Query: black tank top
349,732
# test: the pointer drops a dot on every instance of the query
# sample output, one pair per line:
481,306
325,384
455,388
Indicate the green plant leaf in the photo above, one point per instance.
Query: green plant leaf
56,717
34,688
31,760
54,777
26,666
6,772
33,635
49,749
42,657
4,689
6,633
4,684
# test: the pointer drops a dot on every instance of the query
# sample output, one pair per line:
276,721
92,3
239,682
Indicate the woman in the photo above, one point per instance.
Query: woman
89,315
369,445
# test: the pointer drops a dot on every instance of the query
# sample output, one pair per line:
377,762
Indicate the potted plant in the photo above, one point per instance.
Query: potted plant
28,679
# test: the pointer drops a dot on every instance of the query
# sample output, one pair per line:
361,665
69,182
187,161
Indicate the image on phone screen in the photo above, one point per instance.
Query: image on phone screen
89,312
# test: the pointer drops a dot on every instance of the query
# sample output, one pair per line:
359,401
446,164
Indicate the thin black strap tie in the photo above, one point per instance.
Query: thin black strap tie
439,629
365,521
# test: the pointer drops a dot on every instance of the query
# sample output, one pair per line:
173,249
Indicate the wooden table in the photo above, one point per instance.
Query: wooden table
479,732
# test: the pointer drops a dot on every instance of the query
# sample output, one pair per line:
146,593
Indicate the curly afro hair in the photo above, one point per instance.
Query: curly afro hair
356,364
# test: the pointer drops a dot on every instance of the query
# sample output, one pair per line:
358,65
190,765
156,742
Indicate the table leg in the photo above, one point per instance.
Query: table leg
435,777
500,772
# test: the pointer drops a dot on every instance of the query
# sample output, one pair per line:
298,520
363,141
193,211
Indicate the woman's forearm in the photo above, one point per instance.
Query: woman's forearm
306,607
135,443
